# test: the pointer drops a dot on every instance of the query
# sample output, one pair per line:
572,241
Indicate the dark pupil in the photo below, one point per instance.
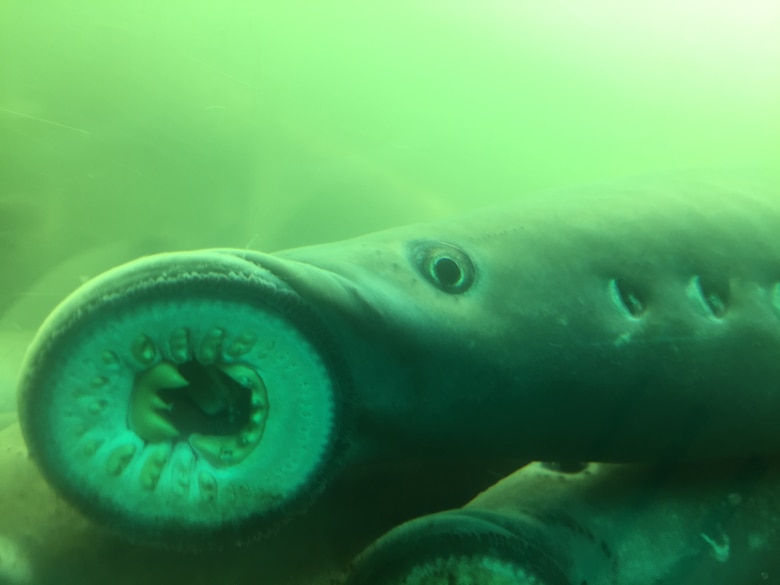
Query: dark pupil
447,271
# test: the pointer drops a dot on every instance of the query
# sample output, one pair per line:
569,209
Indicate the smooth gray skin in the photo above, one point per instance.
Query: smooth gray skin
543,357
609,524
540,358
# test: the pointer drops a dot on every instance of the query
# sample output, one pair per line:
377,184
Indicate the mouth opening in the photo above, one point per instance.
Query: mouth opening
220,409
212,402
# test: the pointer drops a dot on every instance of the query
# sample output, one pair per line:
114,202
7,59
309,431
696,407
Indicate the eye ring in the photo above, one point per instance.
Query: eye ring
445,266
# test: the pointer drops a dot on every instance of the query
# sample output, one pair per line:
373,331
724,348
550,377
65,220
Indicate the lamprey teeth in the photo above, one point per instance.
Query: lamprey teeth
144,350
97,406
91,446
241,345
182,470
232,449
245,376
119,459
180,345
259,401
211,347
248,378
208,486
145,417
154,419
152,468
110,360
99,381
224,451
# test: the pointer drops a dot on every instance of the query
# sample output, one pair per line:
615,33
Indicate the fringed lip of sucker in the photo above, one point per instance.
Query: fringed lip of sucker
186,400
477,547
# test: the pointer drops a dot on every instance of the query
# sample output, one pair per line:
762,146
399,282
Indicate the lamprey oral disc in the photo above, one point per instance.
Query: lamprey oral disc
152,401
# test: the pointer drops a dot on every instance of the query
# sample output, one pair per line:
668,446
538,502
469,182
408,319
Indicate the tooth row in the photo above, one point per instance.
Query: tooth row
208,487
145,416
212,348
99,382
219,451
182,471
210,351
153,466
157,458
182,465
229,450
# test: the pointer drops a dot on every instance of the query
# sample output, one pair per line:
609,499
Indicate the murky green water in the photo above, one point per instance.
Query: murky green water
135,127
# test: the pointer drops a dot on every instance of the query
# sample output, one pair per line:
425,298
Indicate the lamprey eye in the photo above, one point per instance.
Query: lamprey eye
447,267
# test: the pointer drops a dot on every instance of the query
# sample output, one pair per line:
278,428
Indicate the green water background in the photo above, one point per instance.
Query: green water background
133,127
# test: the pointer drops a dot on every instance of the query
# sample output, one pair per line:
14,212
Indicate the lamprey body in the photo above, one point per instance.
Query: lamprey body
200,396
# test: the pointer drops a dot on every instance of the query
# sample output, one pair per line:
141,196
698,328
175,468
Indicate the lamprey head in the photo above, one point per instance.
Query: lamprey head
185,400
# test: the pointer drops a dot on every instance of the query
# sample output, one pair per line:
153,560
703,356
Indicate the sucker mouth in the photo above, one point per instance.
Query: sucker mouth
185,407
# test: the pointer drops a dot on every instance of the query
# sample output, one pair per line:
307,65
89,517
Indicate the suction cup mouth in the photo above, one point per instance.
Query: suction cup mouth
185,400
457,548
